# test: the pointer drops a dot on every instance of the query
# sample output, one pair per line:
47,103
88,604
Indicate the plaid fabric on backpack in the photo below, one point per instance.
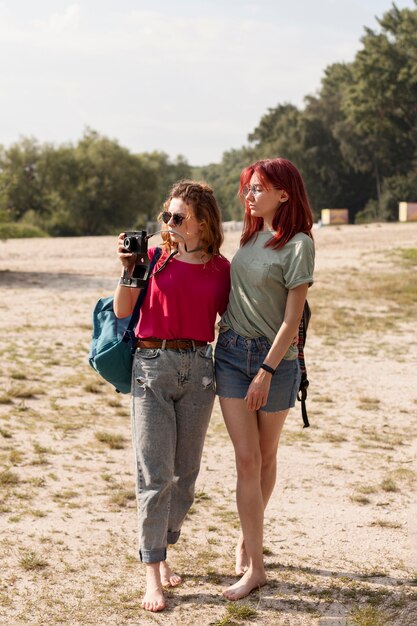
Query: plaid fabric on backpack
302,336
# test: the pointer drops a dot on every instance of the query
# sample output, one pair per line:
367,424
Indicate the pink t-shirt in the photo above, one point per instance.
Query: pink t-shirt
183,300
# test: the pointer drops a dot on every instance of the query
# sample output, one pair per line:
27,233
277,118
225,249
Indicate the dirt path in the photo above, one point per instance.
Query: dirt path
341,534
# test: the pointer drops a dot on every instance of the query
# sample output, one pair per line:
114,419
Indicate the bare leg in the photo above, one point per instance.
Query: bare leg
154,599
168,577
268,440
241,556
243,430
255,439
270,427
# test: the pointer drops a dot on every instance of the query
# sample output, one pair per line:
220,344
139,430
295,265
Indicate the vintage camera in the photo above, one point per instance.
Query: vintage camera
136,242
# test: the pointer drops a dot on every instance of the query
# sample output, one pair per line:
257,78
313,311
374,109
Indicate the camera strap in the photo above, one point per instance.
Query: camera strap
173,253
130,331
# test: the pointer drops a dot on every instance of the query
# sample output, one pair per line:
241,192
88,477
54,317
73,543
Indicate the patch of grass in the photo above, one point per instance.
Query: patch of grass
360,499
405,475
369,400
213,577
6,399
18,376
369,616
213,541
114,402
384,436
235,611
16,457
334,437
26,393
409,255
200,496
385,524
92,388
327,399
6,434
41,449
65,494
368,404
9,478
394,293
228,517
32,561
115,442
366,489
123,497
389,485
37,481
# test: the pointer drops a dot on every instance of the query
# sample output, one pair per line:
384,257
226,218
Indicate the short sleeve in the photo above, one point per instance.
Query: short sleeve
299,261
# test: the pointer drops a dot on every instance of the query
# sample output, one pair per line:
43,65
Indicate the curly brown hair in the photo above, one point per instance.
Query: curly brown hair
201,198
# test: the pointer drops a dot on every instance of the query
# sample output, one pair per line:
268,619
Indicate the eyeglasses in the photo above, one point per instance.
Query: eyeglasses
177,218
255,190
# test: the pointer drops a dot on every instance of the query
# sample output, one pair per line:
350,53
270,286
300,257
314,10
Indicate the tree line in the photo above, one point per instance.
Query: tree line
355,143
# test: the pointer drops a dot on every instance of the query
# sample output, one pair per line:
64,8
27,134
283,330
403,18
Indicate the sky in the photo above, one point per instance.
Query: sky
186,77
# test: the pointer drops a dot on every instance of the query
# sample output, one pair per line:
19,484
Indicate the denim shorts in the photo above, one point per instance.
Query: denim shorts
237,361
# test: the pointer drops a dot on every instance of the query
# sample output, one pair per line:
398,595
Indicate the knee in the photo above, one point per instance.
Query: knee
269,463
248,465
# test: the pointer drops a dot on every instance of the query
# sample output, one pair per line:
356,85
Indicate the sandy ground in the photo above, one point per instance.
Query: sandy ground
340,532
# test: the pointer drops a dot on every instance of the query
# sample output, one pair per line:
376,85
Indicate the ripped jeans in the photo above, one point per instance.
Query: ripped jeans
172,398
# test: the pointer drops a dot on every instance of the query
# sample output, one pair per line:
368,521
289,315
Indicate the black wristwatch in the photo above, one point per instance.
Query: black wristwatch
268,368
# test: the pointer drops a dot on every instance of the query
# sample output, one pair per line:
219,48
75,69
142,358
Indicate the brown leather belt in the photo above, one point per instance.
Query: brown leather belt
170,344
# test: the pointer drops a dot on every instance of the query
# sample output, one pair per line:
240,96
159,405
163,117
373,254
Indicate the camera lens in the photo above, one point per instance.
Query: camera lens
127,243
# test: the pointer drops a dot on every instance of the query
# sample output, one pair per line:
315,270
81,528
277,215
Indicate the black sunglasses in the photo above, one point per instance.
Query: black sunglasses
176,218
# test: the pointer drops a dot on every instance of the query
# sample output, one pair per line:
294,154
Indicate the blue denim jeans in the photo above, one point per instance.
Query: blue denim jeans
172,398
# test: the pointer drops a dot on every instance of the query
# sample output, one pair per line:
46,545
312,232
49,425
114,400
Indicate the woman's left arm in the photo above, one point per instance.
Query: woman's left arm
259,388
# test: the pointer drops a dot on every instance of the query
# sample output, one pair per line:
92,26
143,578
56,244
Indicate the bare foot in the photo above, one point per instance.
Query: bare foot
252,579
242,562
154,599
168,577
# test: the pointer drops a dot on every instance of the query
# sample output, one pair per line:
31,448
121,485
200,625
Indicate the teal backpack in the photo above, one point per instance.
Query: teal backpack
113,340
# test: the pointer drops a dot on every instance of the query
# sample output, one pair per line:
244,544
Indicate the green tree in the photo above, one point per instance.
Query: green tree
21,185
331,181
163,173
224,178
379,134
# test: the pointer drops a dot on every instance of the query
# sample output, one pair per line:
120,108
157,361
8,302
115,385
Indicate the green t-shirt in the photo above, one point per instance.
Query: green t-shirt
261,278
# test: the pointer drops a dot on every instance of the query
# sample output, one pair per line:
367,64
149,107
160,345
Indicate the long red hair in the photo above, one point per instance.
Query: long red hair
292,216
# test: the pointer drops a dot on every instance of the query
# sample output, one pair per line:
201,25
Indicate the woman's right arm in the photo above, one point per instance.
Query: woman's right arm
125,297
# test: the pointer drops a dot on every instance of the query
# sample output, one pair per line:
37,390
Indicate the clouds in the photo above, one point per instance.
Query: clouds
59,24
184,77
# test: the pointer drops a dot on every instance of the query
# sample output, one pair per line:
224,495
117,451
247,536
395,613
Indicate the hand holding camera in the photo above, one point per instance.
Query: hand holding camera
132,250
127,259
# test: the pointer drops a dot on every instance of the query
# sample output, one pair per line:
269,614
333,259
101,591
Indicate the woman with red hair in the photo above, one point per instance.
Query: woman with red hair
257,369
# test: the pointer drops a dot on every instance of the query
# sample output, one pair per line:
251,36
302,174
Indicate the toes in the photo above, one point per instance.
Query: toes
153,606
229,595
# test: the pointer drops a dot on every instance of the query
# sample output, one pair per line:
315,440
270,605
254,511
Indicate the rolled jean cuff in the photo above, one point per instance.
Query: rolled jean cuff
153,556
173,536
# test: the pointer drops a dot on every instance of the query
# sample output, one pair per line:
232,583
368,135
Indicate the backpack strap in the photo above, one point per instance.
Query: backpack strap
129,335
302,336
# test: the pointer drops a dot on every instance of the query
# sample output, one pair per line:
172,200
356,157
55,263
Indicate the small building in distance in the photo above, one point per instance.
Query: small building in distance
407,211
334,216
